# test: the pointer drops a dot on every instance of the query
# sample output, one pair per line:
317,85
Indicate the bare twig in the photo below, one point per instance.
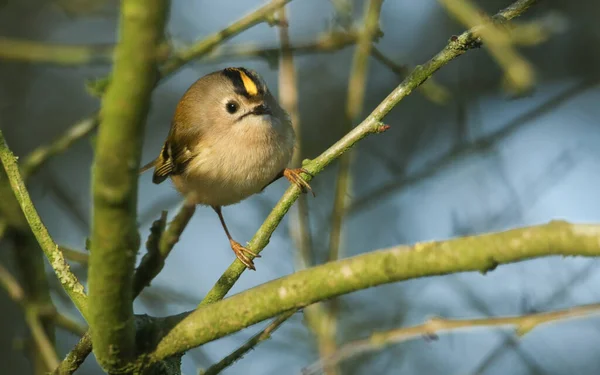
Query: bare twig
437,326
518,71
59,54
40,155
263,335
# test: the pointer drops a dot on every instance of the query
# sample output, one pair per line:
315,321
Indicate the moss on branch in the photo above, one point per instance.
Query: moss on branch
465,254
114,237
61,268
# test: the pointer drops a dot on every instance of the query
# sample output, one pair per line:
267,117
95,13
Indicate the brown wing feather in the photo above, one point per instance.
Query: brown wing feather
173,158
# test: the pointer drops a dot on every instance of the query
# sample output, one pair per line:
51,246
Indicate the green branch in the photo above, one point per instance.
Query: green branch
114,237
61,268
455,48
481,253
59,54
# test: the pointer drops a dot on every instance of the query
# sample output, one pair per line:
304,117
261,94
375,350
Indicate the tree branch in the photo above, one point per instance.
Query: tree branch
455,48
207,44
114,238
59,54
518,71
481,253
263,335
40,155
436,326
61,268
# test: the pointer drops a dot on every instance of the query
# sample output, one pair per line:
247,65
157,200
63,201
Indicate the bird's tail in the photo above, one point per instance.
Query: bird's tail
147,166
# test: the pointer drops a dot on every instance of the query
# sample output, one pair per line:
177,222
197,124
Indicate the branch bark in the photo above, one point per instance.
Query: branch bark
114,238
481,253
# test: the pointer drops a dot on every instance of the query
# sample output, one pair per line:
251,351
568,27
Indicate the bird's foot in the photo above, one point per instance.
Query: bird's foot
293,176
242,254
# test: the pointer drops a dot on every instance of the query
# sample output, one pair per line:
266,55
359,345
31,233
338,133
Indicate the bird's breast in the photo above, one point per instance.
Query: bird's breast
238,164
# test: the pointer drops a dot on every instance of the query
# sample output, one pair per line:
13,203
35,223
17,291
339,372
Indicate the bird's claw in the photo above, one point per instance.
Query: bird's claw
293,175
240,252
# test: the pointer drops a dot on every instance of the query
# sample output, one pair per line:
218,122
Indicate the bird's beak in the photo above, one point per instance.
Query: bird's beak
262,109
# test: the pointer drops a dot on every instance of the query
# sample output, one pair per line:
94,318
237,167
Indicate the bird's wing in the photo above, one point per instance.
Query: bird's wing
175,154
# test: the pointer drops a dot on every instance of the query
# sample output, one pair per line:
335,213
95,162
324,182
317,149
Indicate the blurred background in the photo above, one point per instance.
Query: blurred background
481,160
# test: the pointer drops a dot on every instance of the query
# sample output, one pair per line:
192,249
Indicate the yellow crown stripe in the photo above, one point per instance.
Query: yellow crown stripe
249,84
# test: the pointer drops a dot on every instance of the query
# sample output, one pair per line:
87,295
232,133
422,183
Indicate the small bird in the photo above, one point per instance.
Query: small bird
229,139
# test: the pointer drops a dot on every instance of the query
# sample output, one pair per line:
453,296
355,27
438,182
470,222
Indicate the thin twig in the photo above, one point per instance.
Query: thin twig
11,285
69,324
518,71
239,353
154,260
73,255
59,54
206,45
40,155
61,268
437,326
44,345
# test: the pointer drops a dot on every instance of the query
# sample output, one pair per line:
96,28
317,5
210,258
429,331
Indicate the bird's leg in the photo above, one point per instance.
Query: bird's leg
293,176
239,250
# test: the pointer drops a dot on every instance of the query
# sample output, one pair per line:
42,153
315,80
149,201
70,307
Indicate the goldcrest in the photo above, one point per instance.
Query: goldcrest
229,139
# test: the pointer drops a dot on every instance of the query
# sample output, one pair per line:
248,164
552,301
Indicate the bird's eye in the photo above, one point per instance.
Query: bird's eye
231,107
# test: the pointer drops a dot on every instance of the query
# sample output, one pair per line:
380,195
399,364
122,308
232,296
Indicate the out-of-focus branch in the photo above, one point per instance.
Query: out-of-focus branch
114,237
40,155
430,89
478,145
455,48
263,335
482,253
436,326
29,261
519,73
324,319
59,54
206,45
44,344
61,268
44,356
75,255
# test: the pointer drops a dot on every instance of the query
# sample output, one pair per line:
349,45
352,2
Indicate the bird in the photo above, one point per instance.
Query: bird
229,139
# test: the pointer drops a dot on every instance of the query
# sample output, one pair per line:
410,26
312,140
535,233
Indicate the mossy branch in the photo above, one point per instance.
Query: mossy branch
481,253
114,237
61,268
456,47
